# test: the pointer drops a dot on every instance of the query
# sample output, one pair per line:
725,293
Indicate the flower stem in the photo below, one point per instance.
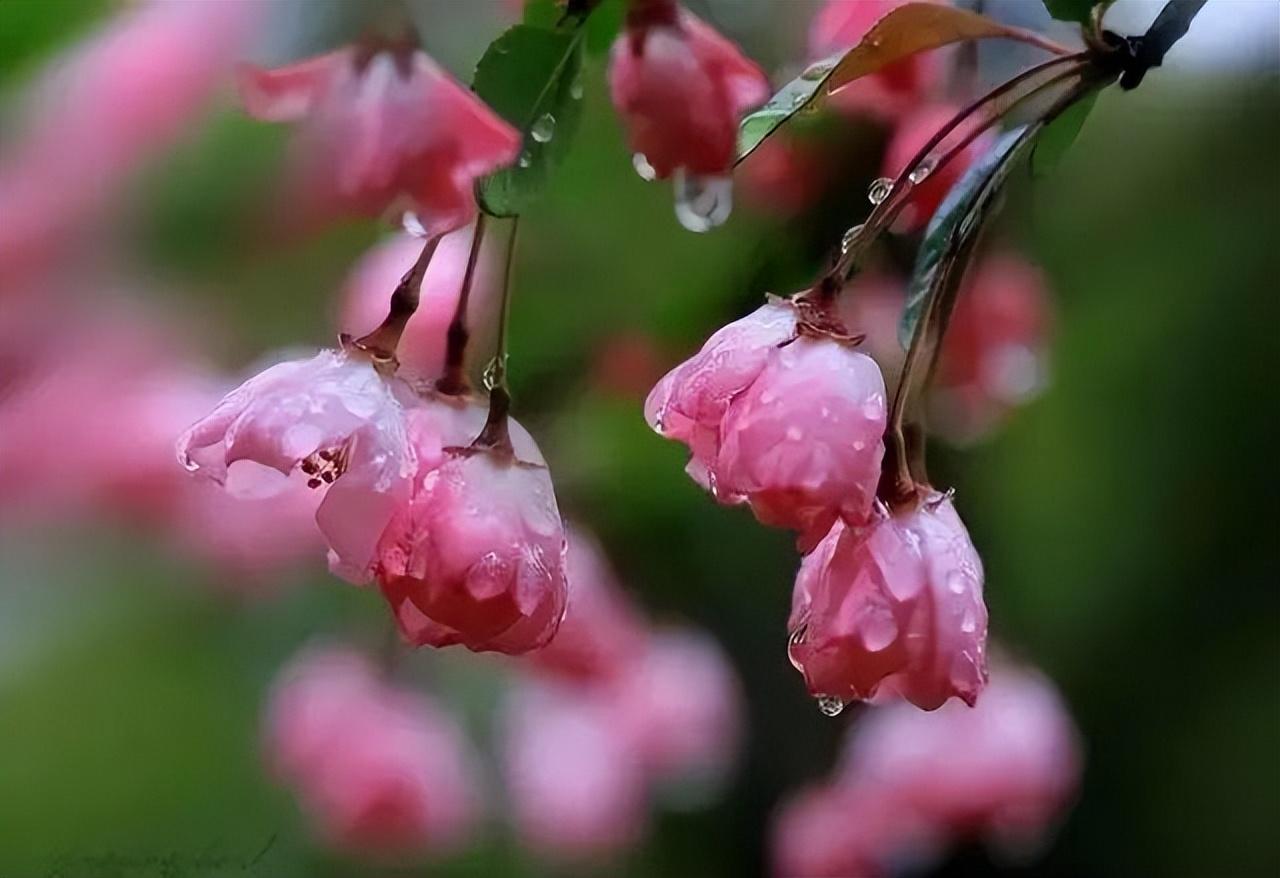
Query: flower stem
454,380
495,433
383,341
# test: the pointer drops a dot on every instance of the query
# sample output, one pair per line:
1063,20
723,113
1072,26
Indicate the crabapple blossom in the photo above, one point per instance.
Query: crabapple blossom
889,93
378,769
576,786
476,553
680,88
784,175
803,443
895,604
386,131
911,135
332,420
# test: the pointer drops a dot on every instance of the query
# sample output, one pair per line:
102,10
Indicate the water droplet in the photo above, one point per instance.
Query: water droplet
849,237
493,373
794,642
525,160
544,129
702,203
878,629
795,434
411,224
957,582
815,71
576,89
830,705
880,189
969,623
923,170
643,168
798,99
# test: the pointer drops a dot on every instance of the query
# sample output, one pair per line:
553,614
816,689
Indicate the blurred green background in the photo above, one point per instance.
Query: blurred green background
1128,518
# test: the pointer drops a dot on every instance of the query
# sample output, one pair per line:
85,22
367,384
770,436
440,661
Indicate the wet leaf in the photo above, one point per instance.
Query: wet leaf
1060,134
907,30
1072,10
531,77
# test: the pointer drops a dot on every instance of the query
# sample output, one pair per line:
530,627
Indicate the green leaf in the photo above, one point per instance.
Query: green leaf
1072,10
1060,134
530,76
906,31
955,226
603,25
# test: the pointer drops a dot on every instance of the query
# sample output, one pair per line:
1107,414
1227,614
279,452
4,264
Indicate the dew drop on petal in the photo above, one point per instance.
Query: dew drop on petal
957,582
643,168
880,189
411,224
830,705
544,128
702,203
795,434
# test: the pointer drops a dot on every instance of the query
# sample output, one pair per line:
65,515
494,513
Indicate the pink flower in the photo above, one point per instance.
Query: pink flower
602,633
123,95
791,425
890,93
387,131
333,421
368,293
784,175
803,443
377,769
476,555
911,136
576,787
681,88
993,356
680,704
1004,770
895,604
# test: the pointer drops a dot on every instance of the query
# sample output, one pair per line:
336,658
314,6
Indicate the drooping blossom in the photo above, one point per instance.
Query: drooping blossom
895,605
993,356
368,289
889,93
602,634
791,425
1003,771
378,769
386,131
681,88
331,421
126,93
910,136
784,175
577,787
476,553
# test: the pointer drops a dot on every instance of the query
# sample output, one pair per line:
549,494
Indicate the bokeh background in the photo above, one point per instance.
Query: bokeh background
1127,518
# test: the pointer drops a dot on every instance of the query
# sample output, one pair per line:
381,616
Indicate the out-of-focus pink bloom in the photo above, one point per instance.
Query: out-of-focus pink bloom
387,131
871,306
627,364
368,293
602,633
330,420
911,135
126,93
895,604
476,554
680,87
576,785
378,769
803,443
680,703
993,357
691,400
1004,770
890,93
783,176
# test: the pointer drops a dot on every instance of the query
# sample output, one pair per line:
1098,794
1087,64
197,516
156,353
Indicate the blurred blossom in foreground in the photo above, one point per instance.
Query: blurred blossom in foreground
913,782
118,99
381,770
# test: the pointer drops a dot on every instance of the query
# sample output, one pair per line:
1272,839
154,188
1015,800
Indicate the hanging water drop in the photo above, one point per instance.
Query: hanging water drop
576,89
493,373
880,189
643,168
702,203
918,175
411,224
525,160
544,129
830,705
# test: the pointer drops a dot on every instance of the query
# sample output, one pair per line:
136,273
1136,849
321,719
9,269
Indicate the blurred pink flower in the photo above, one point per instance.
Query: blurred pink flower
911,135
367,295
627,364
576,786
896,604
680,88
118,98
331,420
803,443
386,131
476,554
378,769
899,88
784,175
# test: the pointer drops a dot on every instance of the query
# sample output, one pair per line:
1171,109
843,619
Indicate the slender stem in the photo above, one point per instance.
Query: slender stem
495,433
384,340
454,380
1149,50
